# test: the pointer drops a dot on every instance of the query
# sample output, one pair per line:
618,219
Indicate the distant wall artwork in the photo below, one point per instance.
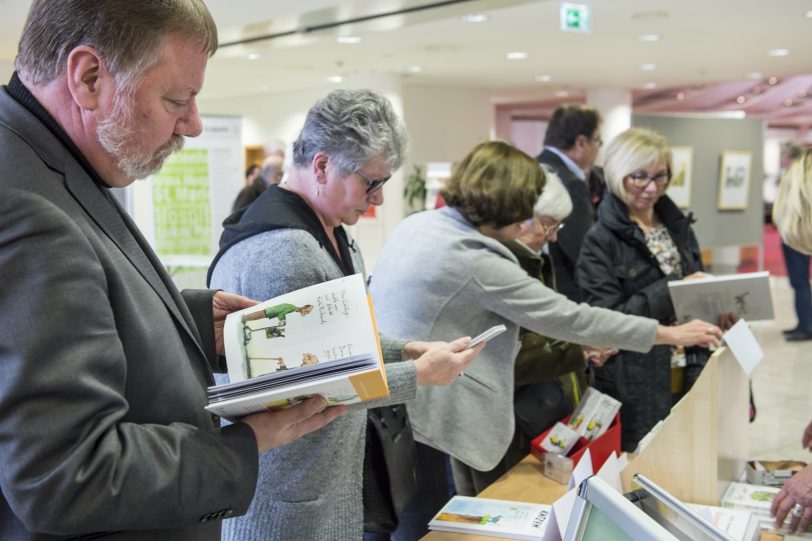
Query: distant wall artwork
734,179
679,189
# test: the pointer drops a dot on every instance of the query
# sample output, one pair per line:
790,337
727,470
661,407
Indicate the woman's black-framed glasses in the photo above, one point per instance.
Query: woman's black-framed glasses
372,185
641,179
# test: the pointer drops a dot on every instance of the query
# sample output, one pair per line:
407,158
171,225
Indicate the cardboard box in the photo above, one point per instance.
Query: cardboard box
772,472
599,449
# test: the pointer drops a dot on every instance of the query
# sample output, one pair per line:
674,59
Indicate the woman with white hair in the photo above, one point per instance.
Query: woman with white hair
640,242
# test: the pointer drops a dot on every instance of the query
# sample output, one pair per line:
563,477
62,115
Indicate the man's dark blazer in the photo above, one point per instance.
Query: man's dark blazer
104,366
565,251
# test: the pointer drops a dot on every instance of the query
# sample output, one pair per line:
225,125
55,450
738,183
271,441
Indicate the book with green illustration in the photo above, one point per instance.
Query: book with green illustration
495,518
320,339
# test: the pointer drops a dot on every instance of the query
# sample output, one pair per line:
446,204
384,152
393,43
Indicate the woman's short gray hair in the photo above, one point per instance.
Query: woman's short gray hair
634,149
555,200
352,127
127,33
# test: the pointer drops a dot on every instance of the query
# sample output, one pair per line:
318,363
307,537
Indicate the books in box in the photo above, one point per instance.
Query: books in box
496,518
739,524
320,339
754,498
772,472
594,414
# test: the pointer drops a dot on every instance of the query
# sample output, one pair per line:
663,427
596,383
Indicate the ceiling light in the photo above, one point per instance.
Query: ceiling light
415,69
648,37
562,94
778,52
808,14
755,75
802,93
649,86
648,67
757,90
772,81
680,96
474,18
543,78
349,40
516,55
254,56
741,99
788,102
335,79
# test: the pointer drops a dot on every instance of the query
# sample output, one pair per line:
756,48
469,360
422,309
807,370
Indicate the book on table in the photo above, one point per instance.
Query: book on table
746,295
319,340
495,518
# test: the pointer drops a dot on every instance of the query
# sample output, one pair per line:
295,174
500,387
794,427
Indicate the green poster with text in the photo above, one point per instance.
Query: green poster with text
181,205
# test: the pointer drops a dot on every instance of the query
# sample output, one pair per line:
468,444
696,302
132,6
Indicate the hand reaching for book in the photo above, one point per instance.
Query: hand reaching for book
794,500
693,333
444,363
275,428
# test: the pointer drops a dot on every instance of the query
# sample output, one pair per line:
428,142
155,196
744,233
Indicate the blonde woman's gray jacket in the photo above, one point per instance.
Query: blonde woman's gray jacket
438,278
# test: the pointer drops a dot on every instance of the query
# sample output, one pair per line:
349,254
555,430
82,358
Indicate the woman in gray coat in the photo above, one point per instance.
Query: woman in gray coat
446,273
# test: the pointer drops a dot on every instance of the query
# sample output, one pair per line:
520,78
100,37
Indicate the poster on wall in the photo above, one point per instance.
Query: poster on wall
679,189
437,174
734,179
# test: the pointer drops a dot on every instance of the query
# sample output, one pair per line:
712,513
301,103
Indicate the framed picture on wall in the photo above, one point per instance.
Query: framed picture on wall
734,179
679,189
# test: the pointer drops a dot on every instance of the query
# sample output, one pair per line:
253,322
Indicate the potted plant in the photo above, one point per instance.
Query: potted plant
414,190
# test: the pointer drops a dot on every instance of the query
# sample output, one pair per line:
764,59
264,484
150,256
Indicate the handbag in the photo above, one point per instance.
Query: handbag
390,459
538,406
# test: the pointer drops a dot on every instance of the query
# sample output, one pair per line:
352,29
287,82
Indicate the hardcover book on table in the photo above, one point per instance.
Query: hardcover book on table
747,295
321,339
495,518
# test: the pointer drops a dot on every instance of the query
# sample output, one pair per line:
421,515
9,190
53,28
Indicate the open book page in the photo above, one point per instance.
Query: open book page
747,295
318,340
497,518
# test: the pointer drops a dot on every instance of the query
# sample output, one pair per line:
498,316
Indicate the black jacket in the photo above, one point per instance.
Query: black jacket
616,270
249,194
566,249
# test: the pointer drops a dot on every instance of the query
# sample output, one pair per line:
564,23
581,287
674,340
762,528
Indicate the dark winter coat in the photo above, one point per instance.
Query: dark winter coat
617,270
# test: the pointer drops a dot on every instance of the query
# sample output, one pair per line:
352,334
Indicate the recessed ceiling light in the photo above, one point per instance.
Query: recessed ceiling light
648,67
808,14
772,81
335,79
562,94
757,90
802,93
474,18
349,40
648,37
543,78
415,69
788,103
741,99
254,56
649,86
755,75
680,96
778,52
516,55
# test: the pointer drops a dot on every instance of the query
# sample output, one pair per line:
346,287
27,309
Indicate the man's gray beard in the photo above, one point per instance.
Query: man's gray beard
118,140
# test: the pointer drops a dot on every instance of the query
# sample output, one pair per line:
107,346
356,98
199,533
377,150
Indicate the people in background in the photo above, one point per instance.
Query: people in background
549,374
251,174
797,264
103,431
571,144
640,242
293,237
270,173
445,272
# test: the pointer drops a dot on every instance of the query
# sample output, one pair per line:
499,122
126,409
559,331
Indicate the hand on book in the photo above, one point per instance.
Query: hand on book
444,362
794,500
222,305
693,333
726,321
275,428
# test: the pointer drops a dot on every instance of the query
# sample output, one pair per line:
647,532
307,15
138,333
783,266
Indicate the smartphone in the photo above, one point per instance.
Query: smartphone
487,335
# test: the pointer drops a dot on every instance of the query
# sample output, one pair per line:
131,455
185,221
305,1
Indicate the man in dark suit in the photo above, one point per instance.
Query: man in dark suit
571,144
103,431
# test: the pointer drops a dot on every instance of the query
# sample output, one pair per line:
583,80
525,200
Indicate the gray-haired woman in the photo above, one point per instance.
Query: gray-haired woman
290,238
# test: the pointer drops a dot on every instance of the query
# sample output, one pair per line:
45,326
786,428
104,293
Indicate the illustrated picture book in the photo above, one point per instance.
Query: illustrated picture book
318,340
495,518
747,295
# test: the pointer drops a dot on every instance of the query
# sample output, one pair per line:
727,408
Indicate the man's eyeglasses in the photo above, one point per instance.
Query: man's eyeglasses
597,140
550,229
641,179
372,185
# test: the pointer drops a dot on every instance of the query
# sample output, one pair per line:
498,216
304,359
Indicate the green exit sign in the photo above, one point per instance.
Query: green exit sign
575,18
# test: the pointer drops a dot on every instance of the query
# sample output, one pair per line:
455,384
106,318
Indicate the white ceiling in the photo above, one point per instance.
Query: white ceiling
702,42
